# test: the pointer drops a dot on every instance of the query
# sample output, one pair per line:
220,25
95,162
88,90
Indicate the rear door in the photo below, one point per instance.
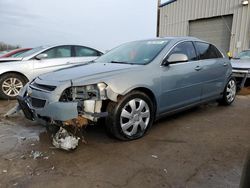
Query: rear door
180,82
213,69
58,57
84,54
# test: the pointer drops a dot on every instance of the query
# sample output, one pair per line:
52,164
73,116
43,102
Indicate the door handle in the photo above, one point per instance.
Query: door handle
198,68
225,64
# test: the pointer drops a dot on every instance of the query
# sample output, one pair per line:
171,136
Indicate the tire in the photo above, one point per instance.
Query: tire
229,93
131,117
52,128
10,85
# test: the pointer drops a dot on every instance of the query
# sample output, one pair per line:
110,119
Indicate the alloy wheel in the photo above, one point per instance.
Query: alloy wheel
231,91
12,86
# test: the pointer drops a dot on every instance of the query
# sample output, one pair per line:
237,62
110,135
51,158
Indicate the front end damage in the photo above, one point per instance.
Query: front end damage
66,106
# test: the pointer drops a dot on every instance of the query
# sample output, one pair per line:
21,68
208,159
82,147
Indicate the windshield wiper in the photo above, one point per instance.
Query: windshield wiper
123,62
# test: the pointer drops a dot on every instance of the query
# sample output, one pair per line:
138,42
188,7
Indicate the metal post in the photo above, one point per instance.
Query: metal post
158,19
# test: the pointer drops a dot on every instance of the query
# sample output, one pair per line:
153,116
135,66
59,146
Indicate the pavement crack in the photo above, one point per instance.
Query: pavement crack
196,171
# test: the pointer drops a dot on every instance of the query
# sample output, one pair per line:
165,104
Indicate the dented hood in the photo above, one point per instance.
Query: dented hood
92,70
241,63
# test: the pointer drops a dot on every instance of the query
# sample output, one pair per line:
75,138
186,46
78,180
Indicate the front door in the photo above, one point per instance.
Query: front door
180,82
57,58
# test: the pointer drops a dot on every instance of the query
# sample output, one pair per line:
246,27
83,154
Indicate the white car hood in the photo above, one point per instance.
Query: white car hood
241,63
8,59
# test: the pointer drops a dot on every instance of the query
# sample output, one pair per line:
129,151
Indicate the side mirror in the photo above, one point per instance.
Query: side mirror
41,56
175,58
100,54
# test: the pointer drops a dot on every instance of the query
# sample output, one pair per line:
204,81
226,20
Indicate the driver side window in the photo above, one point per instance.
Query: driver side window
186,48
59,52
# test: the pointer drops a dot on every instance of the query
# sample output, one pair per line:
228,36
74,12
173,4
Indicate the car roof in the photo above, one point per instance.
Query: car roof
56,45
175,38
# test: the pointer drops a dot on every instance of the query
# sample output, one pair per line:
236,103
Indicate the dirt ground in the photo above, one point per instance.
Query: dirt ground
202,147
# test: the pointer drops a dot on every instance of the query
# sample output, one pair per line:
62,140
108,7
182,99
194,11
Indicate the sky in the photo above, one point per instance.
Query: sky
102,24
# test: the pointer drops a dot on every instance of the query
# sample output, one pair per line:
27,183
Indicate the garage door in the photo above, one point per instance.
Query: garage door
216,30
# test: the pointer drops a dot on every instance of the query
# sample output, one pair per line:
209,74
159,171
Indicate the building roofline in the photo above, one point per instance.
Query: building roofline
167,3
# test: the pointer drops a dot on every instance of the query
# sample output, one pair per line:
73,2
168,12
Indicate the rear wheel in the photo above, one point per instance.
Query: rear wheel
131,116
10,85
229,93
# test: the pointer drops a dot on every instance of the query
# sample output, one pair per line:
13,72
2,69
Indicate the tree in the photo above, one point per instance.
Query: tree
4,46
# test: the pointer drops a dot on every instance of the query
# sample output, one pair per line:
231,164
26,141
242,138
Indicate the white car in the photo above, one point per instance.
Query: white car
16,72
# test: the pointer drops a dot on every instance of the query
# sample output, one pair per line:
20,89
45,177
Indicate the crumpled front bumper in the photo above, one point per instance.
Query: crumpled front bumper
29,114
55,111
39,105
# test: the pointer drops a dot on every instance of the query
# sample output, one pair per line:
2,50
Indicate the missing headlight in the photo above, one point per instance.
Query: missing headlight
80,93
85,93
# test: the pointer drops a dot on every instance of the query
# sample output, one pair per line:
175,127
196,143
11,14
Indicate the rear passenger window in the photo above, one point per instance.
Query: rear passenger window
186,48
85,52
207,51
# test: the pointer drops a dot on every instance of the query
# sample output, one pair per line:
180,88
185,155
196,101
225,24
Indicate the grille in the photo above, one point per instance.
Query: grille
37,103
44,87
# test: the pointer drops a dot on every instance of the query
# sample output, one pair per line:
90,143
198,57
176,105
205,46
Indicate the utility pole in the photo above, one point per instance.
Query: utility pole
158,18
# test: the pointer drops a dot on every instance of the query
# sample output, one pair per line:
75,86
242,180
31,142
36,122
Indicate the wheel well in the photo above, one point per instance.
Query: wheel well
149,93
13,72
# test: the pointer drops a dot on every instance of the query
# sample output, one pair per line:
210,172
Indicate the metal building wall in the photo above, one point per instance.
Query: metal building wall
175,17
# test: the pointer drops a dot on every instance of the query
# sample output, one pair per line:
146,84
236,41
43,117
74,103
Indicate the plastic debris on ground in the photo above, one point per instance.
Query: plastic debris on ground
165,170
12,111
65,140
36,154
154,156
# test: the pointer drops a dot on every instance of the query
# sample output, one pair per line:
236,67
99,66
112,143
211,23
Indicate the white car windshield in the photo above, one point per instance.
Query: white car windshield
138,52
243,55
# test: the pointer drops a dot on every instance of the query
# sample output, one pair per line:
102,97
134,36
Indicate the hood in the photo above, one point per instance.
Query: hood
9,59
93,70
240,63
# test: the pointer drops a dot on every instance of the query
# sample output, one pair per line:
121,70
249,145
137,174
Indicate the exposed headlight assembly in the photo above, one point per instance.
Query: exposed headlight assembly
88,92
102,90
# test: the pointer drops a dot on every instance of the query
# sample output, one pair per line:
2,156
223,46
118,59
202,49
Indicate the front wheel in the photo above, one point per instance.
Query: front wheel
229,93
131,116
10,85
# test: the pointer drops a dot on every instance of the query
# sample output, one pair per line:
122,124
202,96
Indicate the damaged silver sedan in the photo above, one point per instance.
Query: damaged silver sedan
131,86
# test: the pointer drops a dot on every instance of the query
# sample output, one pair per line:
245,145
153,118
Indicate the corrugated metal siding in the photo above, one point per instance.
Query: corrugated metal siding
216,30
175,17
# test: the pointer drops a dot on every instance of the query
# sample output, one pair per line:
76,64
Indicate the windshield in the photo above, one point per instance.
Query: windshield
18,54
32,51
243,55
139,52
